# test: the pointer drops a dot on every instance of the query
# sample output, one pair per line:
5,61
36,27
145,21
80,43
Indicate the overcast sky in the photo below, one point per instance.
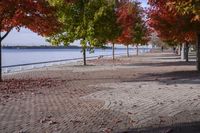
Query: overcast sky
27,37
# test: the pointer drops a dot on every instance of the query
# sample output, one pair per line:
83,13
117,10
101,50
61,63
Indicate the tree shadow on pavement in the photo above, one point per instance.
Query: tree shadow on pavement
191,56
159,64
177,128
176,77
168,58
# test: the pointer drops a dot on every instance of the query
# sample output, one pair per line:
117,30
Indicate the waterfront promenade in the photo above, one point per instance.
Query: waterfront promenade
153,92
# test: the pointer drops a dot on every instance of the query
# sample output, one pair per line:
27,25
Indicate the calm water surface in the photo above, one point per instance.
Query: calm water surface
24,56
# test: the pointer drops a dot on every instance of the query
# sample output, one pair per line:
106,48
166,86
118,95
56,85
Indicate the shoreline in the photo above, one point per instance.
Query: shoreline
39,65
60,47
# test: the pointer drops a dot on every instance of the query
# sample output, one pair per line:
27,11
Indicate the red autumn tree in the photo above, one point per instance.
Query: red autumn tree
124,24
169,24
141,29
189,8
126,18
131,17
36,15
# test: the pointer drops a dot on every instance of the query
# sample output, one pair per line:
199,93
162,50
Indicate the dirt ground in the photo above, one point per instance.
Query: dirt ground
154,92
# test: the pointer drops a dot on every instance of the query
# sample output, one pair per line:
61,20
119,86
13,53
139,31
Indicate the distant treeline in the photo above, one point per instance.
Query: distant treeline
44,47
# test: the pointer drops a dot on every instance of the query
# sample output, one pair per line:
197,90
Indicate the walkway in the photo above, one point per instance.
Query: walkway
131,94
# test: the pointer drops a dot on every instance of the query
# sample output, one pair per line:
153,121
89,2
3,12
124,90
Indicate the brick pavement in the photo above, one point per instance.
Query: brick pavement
134,92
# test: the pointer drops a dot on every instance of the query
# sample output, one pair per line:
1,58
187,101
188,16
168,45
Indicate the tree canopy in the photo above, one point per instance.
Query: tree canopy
131,18
93,22
36,15
187,7
170,24
177,21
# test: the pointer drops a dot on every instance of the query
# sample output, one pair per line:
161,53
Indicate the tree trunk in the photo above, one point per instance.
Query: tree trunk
198,52
179,49
1,39
187,52
183,52
1,79
113,51
127,48
84,56
137,50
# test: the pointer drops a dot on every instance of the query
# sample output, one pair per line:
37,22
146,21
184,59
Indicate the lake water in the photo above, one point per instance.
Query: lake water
20,57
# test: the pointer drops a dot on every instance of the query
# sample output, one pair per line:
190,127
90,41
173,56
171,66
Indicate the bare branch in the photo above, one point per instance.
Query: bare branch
6,34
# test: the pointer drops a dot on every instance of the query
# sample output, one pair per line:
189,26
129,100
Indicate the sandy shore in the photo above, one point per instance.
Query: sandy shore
153,92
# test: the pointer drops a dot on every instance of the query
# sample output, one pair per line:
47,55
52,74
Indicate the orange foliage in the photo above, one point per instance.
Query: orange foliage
168,23
37,15
126,17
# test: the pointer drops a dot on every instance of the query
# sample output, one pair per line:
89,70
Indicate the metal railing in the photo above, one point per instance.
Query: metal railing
29,66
